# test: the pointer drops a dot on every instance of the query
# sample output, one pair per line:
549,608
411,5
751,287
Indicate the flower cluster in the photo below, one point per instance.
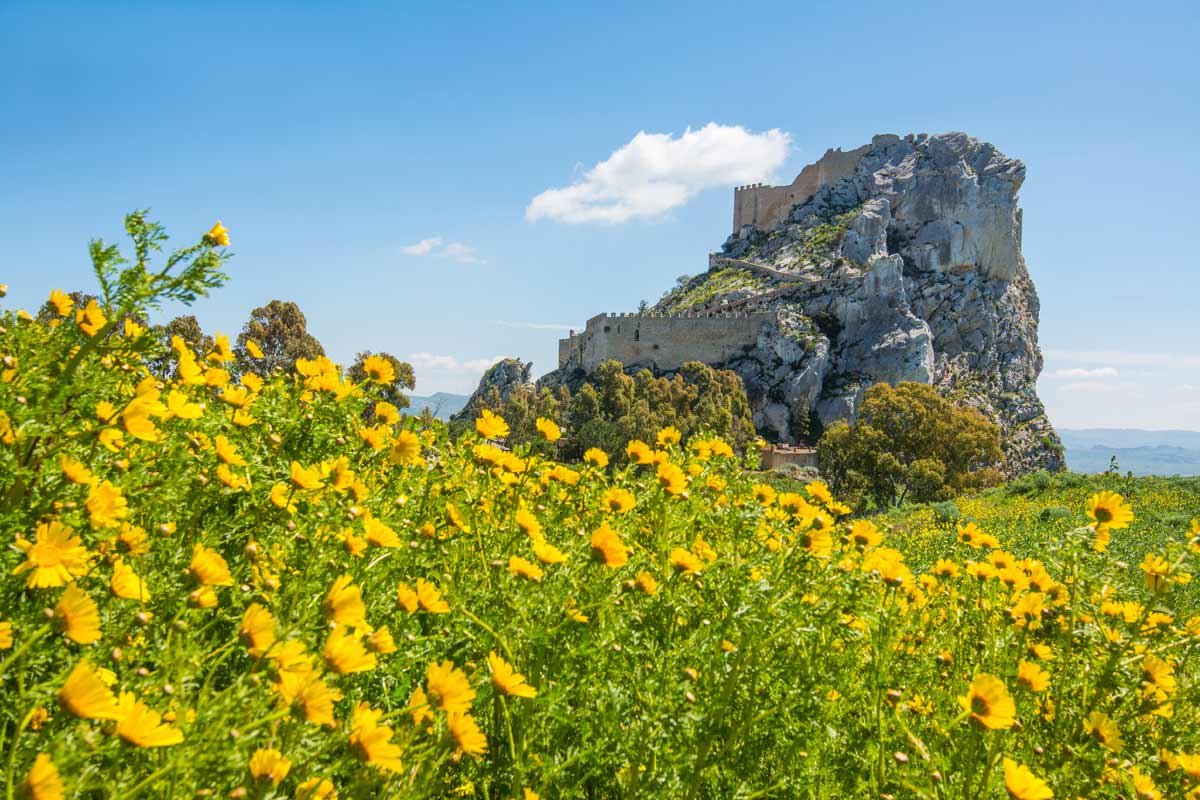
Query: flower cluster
218,583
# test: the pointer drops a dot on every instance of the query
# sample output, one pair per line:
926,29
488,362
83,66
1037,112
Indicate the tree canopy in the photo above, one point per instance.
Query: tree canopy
909,443
394,391
280,330
614,407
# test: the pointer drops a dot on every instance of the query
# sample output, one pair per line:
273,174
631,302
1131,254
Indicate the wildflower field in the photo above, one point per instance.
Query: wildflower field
217,583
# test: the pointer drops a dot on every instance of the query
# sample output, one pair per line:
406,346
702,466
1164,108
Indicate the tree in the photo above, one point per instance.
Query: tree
187,328
908,443
615,407
281,332
393,392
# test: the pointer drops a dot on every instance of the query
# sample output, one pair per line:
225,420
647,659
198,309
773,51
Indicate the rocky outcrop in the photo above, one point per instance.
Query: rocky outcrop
907,268
502,377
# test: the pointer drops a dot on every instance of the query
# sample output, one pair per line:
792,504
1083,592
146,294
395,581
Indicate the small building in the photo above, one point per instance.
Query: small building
773,456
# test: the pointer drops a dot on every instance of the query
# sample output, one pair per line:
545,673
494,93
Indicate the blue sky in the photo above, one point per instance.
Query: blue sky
331,138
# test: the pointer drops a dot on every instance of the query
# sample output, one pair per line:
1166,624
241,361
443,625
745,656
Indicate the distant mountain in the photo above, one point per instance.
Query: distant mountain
1168,452
442,404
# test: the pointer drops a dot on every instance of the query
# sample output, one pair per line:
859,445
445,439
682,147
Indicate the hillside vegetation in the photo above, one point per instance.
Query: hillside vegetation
241,588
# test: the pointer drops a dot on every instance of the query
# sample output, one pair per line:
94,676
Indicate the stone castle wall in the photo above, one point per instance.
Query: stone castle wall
662,342
765,207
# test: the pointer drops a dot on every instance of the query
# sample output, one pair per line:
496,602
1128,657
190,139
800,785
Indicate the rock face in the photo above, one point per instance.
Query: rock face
909,267
504,376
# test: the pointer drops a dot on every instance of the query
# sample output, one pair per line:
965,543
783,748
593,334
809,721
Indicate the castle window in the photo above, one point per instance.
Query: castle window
607,329
654,347
637,335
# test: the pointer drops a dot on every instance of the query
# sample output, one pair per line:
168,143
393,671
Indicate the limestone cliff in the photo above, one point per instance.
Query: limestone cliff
900,260
503,377
907,267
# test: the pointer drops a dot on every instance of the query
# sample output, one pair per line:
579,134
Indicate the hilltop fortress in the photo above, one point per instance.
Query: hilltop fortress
898,260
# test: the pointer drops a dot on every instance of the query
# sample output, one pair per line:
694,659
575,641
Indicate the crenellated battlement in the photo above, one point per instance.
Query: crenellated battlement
663,341
765,207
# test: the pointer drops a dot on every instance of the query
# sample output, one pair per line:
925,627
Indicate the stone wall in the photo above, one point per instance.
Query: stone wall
776,456
717,262
765,207
663,342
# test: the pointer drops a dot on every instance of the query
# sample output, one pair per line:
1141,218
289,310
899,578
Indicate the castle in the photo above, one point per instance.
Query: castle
765,207
896,261
663,342
666,341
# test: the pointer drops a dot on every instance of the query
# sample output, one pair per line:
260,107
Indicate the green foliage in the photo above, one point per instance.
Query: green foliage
187,274
910,443
1050,513
187,328
613,408
947,511
280,330
393,393
713,284
692,634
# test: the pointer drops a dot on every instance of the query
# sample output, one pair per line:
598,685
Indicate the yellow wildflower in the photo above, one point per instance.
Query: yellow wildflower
142,726
466,733
77,616
1022,784
344,604
126,584
305,478
269,765
548,429
209,568
344,653
449,686
106,505
491,426
54,558
86,695
1109,511
430,597
619,500
372,742
379,370
1104,730
524,568
218,235
608,545
316,789
407,449
1032,677
507,679
989,702
43,781
257,630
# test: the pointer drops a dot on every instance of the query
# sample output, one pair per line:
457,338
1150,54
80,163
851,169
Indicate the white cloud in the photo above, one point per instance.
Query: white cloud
538,326
1126,358
450,363
655,172
1083,372
436,246
423,247
1125,388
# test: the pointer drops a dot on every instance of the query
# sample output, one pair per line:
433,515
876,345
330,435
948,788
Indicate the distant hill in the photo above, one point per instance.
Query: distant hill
1143,452
442,404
